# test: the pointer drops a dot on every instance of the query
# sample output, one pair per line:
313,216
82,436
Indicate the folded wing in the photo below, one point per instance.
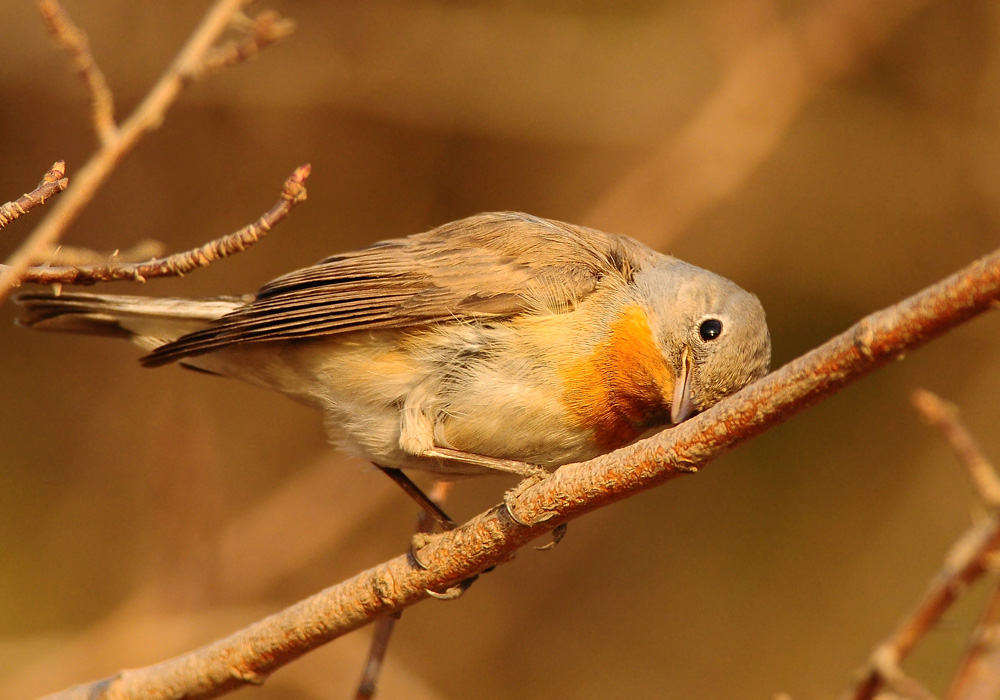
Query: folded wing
486,267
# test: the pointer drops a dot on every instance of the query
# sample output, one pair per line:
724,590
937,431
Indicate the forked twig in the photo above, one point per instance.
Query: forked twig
978,674
258,33
972,555
189,64
886,661
970,558
177,264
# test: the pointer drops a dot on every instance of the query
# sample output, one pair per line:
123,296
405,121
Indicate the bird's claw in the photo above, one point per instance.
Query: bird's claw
510,501
511,496
418,542
452,592
558,532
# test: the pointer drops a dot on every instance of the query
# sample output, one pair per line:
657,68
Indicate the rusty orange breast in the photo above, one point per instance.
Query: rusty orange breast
622,387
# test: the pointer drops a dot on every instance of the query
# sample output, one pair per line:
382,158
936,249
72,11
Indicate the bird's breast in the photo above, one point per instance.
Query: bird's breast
621,386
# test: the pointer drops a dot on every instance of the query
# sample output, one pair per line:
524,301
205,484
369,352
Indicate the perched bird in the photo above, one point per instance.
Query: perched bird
502,336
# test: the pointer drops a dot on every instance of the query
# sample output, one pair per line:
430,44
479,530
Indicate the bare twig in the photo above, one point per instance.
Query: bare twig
492,537
53,182
187,66
177,264
973,554
978,674
139,251
74,41
944,416
259,33
969,559
886,661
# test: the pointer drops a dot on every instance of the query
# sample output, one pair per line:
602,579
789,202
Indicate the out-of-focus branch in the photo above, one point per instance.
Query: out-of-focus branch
53,182
758,97
189,64
972,555
177,264
978,674
902,686
258,33
490,538
73,39
968,560
944,416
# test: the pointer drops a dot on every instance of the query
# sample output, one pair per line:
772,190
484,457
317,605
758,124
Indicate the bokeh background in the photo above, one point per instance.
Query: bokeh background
833,156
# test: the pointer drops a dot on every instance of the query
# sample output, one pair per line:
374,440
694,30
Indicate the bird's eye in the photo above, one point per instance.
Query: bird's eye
710,329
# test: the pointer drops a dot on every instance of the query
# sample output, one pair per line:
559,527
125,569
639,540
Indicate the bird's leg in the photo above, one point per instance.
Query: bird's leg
416,493
424,534
530,475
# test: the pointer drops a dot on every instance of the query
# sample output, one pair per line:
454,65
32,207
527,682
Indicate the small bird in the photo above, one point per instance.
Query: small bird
499,339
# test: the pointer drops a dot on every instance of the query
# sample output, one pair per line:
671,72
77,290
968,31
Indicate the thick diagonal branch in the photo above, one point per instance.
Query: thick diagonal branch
489,539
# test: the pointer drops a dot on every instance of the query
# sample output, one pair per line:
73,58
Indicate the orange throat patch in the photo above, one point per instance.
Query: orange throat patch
623,387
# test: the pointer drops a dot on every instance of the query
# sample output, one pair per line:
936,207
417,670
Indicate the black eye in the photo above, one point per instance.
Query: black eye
710,329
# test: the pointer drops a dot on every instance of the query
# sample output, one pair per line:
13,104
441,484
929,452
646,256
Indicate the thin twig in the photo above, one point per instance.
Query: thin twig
139,251
944,416
886,662
74,40
177,264
53,182
491,538
972,555
969,559
187,66
259,33
978,674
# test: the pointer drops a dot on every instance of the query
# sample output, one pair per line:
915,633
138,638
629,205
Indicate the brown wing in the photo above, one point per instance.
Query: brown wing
490,266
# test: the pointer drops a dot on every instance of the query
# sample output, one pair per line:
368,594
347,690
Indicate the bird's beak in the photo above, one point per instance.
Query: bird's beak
682,405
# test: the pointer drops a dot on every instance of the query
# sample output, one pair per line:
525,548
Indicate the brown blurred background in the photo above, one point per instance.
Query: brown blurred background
831,156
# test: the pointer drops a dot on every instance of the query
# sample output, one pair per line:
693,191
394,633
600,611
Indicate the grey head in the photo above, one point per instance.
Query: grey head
713,333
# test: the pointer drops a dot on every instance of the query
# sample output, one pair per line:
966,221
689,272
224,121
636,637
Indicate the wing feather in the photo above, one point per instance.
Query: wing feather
487,267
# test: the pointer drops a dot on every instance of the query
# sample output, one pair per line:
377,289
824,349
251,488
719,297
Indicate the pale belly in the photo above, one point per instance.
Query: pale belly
385,396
